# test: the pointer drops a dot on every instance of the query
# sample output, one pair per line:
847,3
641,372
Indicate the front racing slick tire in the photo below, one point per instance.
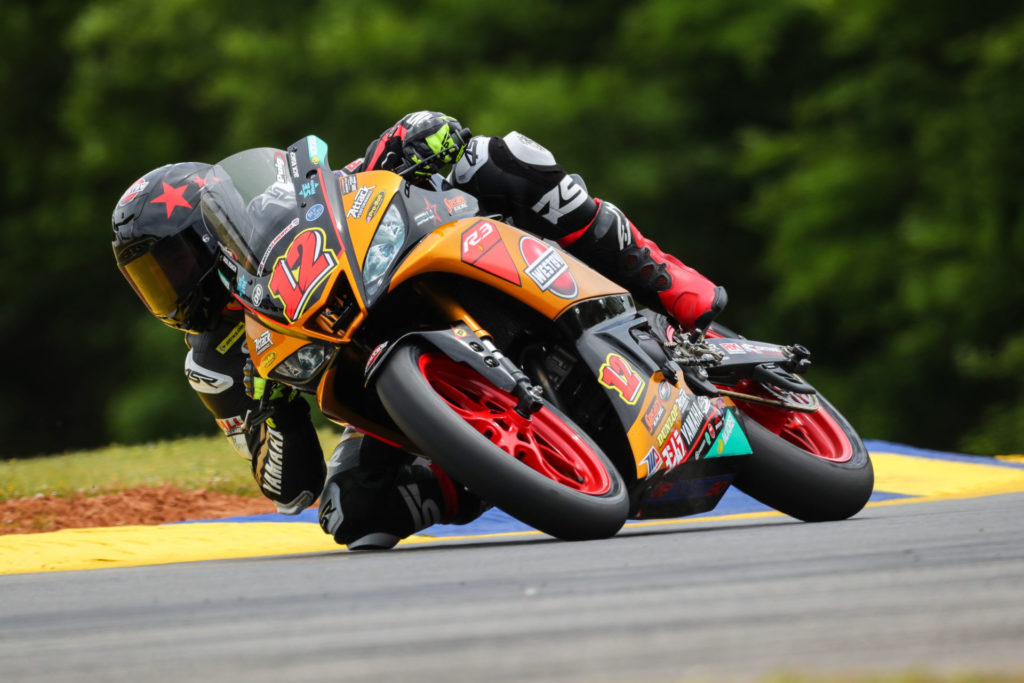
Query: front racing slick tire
542,470
811,466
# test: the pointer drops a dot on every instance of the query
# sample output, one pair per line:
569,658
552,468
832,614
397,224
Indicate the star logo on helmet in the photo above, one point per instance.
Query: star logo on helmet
172,198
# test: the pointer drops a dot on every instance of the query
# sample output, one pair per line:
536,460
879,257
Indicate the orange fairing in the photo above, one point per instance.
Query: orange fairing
364,207
268,347
510,260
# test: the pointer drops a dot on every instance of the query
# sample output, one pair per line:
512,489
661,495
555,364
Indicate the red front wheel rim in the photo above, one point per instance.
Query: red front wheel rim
818,433
543,441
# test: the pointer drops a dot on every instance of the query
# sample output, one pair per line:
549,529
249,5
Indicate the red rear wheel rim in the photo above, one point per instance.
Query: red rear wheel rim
543,441
818,433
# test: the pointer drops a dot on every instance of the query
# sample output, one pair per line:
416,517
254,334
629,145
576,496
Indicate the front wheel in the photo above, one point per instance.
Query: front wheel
811,466
542,470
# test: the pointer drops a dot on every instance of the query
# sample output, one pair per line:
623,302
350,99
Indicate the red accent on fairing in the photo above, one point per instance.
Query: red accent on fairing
483,247
818,433
396,131
330,214
451,498
543,441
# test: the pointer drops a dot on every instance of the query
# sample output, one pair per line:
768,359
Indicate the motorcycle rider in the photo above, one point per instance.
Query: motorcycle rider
374,494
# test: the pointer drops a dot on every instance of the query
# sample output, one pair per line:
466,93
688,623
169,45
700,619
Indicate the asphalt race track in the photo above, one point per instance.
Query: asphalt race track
929,577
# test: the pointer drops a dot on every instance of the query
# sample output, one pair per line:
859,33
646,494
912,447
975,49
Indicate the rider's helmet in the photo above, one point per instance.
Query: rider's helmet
165,250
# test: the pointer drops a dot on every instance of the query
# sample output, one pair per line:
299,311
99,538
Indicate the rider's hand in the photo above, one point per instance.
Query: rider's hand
433,133
257,387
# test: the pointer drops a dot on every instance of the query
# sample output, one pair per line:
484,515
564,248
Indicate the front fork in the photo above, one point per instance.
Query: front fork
454,313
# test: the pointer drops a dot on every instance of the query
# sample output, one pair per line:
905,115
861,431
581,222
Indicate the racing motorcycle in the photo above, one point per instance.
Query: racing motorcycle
526,375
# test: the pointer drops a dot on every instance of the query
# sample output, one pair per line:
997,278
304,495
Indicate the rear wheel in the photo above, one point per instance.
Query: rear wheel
811,466
543,469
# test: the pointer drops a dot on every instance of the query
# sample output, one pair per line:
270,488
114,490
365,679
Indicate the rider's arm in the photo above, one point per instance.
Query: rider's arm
284,452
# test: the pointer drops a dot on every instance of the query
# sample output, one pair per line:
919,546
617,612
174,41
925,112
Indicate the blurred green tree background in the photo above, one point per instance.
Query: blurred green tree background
851,171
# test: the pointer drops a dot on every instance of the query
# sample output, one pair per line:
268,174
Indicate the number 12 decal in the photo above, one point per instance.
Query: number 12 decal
617,374
298,273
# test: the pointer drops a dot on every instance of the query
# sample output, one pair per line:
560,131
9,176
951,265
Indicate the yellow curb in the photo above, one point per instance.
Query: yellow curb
919,479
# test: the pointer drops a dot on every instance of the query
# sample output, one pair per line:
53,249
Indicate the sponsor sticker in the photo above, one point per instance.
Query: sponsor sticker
374,355
669,424
359,203
293,162
227,342
547,268
266,254
375,206
455,204
731,440
696,418
653,462
653,415
674,452
309,188
763,349
282,167
348,184
317,149
428,214
263,342
133,191
745,348
314,212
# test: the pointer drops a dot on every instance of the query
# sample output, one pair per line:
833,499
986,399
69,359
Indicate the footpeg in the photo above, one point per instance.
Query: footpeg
772,374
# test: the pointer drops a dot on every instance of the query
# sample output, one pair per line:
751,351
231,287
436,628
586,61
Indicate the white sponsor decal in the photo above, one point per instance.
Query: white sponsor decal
359,203
133,191
263,342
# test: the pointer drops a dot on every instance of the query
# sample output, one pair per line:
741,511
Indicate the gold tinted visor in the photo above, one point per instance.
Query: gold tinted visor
169,274
151,284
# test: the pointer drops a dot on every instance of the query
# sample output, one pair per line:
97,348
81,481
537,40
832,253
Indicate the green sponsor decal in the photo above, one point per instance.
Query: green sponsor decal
732,440
317,149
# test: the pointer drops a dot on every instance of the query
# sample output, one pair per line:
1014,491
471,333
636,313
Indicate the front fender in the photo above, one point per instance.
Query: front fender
458,343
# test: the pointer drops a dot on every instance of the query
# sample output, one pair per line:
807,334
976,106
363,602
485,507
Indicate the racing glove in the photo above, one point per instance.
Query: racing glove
259,388
432,134
423,136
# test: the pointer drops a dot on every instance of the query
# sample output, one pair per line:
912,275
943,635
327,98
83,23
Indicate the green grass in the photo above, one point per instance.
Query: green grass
190,464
